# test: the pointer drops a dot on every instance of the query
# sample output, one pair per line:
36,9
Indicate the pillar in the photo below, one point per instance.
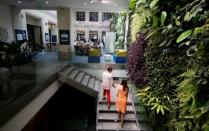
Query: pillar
63,22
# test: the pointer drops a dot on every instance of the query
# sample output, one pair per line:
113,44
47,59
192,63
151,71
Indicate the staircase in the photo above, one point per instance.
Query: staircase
80,80
107,119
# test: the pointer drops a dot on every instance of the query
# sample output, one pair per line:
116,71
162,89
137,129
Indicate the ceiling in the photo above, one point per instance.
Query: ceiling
86,4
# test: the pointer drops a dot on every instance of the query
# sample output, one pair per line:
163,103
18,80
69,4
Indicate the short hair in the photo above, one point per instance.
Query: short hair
109,69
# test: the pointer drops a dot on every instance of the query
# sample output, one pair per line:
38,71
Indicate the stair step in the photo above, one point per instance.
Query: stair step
115,120
79,77
67,71
112,102
114,116
85,80
91,82
113,107
97,85
104,108
115,126
73,74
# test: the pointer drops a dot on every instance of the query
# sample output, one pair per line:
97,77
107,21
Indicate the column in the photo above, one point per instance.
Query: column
63,20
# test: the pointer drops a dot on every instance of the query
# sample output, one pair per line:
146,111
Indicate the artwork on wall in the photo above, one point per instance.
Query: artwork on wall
64,37
4,36
46,37
20,35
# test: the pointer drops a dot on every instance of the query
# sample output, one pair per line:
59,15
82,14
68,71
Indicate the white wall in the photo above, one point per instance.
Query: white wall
44,21
6,21
33,21
40,15
18,18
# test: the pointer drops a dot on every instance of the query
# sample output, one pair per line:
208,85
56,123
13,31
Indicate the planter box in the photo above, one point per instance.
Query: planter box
94,59
119,59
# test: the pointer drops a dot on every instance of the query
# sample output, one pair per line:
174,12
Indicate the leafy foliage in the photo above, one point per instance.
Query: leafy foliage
120,31
11,54
136,67
176,63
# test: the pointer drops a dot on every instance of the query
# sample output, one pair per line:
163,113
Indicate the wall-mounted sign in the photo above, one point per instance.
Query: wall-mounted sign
46,37
64,37
20,35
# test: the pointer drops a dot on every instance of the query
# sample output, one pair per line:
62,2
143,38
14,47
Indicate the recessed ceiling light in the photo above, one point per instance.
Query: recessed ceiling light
116,4
47,2
92,1
19,2
105,2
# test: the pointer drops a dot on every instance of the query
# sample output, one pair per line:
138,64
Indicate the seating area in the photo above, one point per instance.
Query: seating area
82,48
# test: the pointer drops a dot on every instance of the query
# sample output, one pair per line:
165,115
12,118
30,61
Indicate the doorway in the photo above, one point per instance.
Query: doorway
35,37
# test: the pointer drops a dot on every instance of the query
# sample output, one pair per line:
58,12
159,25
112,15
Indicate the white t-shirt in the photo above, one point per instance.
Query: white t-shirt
107,80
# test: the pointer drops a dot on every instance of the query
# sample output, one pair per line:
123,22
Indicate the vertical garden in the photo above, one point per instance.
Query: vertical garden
169,62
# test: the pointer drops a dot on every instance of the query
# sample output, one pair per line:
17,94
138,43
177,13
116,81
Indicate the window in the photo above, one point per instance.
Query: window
80,16
106,16
80,35
93,36
93,16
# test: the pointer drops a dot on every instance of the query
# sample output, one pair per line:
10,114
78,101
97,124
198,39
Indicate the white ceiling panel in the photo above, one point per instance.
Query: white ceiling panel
50,4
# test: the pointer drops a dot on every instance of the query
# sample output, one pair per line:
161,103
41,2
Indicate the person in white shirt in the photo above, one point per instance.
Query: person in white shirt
107,83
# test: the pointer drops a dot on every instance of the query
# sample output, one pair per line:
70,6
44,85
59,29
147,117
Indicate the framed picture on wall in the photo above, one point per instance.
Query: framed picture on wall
64,37
46,37
20,35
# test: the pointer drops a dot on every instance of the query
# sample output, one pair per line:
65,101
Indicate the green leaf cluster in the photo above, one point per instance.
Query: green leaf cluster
177,62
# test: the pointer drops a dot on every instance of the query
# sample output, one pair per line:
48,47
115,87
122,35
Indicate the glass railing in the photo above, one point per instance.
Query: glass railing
23,77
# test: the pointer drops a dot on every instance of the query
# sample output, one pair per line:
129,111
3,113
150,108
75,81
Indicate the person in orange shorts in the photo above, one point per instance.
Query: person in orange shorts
121,100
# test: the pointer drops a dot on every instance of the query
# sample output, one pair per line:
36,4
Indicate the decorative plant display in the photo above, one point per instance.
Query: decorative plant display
113,22
176,92
136,66
118,25
13,54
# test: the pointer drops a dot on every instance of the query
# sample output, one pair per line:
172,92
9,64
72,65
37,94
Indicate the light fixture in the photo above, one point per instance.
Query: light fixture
105,2
47,2
109,2
19,2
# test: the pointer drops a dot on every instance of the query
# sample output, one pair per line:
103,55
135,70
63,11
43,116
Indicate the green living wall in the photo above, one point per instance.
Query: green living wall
172,62
118,25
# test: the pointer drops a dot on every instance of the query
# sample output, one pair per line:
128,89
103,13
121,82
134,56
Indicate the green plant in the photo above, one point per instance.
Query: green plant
120,31
176,63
